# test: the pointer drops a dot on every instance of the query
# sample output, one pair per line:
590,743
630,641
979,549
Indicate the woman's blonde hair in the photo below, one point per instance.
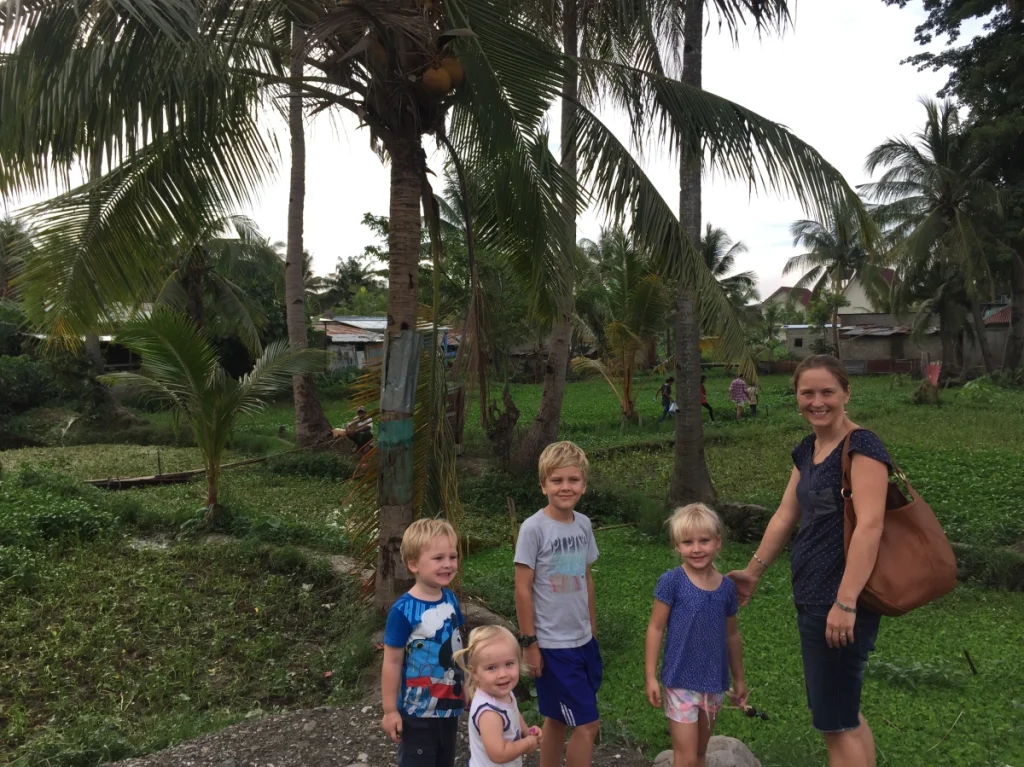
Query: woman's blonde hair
694,518
479,638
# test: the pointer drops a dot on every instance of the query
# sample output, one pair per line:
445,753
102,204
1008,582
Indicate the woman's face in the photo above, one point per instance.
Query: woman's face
821,398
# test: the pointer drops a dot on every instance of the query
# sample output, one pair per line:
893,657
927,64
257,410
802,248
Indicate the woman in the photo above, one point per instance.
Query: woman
836,635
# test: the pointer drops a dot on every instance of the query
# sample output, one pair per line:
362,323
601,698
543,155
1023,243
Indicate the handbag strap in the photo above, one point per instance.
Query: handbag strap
848,469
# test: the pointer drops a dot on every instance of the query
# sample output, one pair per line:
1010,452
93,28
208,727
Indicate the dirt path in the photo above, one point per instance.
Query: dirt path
322,737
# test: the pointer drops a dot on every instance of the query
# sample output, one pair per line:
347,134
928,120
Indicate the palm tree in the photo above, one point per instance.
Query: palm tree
173,92
635,302
933,195
205,270
834,255
720,252
311,425
15,245
180,370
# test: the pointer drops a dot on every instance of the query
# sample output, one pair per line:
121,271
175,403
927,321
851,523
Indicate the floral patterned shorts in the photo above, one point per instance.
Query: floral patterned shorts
684,705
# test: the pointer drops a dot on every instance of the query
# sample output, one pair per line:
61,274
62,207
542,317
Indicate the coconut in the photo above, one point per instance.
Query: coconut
453,67
436,81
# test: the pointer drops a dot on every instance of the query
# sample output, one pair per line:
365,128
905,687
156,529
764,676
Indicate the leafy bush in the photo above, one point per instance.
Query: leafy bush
19,569
303,464
336,384
26,383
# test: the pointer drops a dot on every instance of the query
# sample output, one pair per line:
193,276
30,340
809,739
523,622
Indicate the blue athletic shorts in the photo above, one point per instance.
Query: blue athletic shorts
567,687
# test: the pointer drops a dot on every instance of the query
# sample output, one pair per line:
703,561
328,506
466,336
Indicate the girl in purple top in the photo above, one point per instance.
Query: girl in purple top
695,611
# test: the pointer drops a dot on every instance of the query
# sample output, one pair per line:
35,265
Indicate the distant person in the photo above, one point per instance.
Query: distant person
704,399
752,398
666,398
695,613
738,395
836,634
359,430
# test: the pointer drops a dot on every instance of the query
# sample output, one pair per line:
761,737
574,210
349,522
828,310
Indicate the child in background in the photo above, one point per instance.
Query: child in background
666,398
421,685
555,608
704,398
738,395
752,398
695,606
498,734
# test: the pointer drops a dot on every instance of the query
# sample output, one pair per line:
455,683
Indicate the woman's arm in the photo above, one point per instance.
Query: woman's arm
652,649
734,645
869,480
775,537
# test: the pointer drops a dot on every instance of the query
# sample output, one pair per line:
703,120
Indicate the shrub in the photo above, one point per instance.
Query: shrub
305,464
990,567
26,383
336,384
19,569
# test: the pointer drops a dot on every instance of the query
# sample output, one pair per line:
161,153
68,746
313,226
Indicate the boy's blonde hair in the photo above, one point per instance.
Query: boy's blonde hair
420,533
559,455
479,638
694,518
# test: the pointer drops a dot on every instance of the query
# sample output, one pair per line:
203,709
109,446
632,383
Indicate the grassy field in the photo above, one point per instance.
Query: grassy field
112,645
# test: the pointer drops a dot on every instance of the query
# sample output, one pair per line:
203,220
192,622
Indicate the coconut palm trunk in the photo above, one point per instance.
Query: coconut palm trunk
979,332
691,480
544,429
401,366
311,425
1015,340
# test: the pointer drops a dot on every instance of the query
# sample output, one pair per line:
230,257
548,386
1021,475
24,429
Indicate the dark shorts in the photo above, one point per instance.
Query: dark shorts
428,742
567,688
834,676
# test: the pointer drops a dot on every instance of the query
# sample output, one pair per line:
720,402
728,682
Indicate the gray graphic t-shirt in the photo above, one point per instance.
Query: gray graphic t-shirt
558,553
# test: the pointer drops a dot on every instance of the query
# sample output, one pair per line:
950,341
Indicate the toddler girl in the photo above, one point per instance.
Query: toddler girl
497,731
697,606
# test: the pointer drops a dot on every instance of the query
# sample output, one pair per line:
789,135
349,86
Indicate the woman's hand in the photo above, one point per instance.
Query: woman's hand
533,660
746,584
839,627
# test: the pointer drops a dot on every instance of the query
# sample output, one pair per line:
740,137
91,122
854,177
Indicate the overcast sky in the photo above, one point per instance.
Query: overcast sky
835,80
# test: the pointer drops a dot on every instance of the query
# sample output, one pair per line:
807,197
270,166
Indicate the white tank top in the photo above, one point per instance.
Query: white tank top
509,712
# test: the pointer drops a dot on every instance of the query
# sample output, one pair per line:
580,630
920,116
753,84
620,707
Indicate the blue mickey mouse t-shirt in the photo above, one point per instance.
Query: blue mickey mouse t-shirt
429,634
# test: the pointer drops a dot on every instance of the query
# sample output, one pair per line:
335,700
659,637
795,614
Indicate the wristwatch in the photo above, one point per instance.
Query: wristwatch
525,640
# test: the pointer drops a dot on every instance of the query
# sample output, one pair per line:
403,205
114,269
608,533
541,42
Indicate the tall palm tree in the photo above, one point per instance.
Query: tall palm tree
834,255
311,425
635,302
933,194
720,252
181,371
173,93
15,245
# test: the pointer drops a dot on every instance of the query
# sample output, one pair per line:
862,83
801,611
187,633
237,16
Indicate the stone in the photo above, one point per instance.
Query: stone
309,727
228,763
476,614
722,752
745,522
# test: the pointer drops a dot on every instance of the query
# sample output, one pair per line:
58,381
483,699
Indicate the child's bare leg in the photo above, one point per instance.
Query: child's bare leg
685,741
705,727
552,743
580,752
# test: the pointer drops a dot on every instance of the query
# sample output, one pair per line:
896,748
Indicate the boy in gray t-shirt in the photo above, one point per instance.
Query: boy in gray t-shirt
555,608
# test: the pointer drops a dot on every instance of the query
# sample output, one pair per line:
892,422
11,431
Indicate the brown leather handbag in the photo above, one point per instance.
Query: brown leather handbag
915,564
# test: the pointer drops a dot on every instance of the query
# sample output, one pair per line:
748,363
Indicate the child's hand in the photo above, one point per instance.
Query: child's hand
533,660
538,734
392,725
739,694
532,743
654,693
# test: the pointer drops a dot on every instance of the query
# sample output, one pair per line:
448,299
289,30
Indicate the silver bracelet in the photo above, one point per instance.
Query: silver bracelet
845,608
761,561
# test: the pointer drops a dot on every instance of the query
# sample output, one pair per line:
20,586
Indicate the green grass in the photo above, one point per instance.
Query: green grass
112,646
918,681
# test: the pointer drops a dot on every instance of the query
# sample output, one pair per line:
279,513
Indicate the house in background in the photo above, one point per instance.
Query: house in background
857,295
798,298
358,342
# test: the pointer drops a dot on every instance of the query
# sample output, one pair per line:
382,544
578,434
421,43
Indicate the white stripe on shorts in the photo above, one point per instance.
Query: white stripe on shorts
567,715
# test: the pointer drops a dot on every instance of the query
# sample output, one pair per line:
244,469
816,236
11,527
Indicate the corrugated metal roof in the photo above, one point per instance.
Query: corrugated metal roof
1001,316
356,338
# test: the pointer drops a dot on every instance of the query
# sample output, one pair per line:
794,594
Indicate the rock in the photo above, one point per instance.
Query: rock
363,757
722,752
228,763
478,615
745,522
309,727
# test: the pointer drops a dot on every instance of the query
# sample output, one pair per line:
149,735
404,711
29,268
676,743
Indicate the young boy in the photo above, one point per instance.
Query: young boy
752,397
421,685
555,608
